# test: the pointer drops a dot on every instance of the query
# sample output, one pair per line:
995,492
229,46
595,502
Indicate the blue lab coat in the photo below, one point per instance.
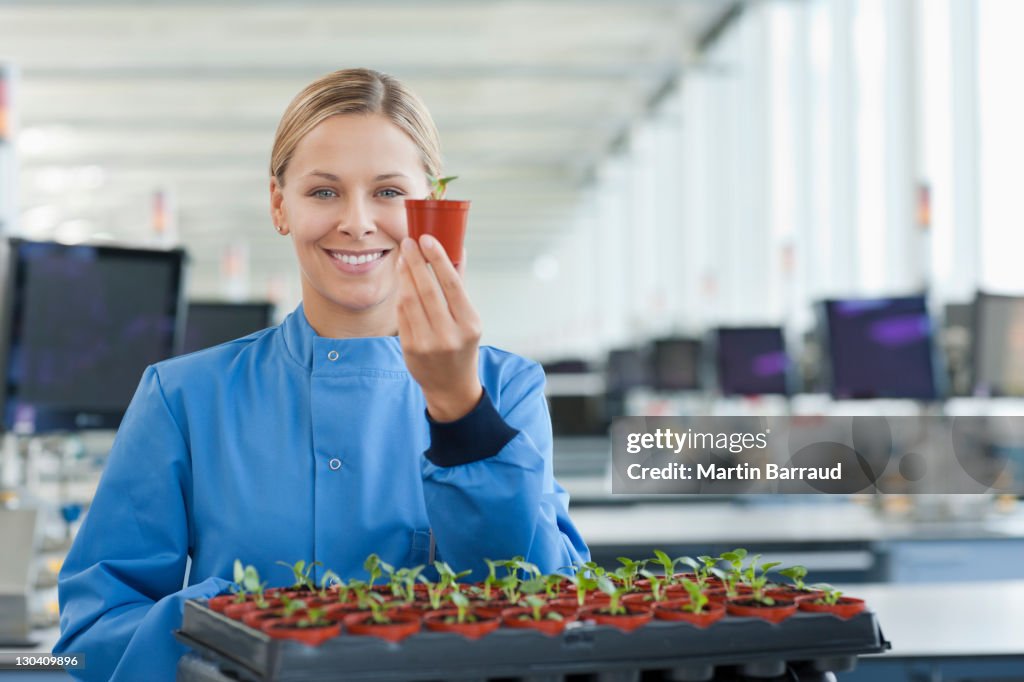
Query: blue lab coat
285,445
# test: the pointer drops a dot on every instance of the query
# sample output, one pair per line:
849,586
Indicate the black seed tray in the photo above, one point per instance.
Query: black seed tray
754,647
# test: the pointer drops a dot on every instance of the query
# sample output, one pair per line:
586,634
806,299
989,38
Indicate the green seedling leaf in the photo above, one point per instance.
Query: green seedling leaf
439,186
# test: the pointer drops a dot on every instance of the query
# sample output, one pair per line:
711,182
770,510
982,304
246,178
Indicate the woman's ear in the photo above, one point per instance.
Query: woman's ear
277,207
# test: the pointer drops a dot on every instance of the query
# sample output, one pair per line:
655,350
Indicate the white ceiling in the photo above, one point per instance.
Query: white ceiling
118,99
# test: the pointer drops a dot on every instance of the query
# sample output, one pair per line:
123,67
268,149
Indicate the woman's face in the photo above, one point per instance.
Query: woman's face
343,204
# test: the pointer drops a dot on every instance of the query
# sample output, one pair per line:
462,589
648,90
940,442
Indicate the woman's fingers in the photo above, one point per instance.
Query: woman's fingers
451,282
431,298
412,320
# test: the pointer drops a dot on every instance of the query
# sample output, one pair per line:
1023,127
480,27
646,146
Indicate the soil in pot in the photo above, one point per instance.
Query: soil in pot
635,617
401,626
790,592
493,608
444,621
746,606
220,602
675,611
522,617
846,607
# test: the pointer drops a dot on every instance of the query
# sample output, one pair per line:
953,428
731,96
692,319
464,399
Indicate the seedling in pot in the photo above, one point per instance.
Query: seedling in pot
462,612
375,568
250,584
314,618
362,592
378,614
702,568
403,582
536,605
731,576
492,580
301,572
328,579
447,576
797,575
614,607
439,186
830,595
758,581
289,606
626,574
668,564
552,584
584,583
657,583
698,600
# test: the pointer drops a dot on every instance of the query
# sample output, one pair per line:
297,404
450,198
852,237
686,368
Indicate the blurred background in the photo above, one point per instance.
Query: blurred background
680,207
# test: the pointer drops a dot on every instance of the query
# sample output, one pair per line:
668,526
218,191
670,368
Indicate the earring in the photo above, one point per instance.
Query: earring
279,228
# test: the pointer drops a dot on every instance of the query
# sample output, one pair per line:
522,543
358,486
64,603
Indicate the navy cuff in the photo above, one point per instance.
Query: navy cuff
478,435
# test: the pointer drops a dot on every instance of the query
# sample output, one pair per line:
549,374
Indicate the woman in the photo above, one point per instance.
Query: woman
328,437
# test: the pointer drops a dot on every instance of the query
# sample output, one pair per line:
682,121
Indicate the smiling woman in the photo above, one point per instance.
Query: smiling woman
369,421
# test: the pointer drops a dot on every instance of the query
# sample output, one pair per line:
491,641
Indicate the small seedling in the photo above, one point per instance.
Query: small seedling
615,607
702,568
375,568
584,583
626,574
731,576
403,581
831,595
797,575
462,613
698,600
657,585
757,581
301,572
552,583
378,613
668,564
289,606
491,581
314,618
536,605
329,578
439,186
247,581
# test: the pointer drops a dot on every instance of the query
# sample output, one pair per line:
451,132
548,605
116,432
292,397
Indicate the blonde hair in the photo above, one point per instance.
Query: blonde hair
355,91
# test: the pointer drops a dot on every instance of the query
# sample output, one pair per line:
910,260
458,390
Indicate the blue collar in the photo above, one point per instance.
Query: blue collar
323,355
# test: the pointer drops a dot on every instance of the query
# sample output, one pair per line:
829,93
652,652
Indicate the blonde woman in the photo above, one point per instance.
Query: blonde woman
370,420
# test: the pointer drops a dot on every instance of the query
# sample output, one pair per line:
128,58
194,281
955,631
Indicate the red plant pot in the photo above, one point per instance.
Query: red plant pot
220,602
435,621
401,626
513,618
791,593
236,611
846,607
745,606
492,609
313,636
256,619
641,600
673,610
444,219
634,618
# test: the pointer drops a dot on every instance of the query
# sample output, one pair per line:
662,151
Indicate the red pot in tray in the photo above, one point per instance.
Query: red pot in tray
672,610
513,618
493,608
435,620
746,606
846,607
635,617
220,602
791,593
401,626
287,628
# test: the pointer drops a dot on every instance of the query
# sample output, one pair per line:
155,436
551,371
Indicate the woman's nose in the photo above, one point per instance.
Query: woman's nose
356,222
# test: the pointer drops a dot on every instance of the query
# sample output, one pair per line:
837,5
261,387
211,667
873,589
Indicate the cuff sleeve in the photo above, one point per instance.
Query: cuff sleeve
478,435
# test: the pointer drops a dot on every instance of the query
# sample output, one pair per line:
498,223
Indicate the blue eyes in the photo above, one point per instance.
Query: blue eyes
331,194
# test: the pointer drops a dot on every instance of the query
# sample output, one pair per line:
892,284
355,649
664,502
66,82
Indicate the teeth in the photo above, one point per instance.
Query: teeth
357,260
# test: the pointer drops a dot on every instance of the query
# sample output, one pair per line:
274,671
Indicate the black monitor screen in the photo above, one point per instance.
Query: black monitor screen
752,361
83,322
676,364
578,415
881,348
209,324
999,345
627,368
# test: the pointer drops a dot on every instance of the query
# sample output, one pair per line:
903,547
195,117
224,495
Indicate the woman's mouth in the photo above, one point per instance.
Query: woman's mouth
356,262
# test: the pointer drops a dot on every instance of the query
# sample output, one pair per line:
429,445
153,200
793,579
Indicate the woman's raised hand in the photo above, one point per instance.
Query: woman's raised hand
439,329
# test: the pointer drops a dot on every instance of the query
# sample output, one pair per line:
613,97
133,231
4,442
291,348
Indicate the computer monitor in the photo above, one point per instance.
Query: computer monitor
751,361
998,345
880,348
676,364
210,323
578,415
80,324
627,368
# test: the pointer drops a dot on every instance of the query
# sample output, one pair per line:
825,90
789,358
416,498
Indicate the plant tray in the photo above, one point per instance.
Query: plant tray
811,641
